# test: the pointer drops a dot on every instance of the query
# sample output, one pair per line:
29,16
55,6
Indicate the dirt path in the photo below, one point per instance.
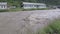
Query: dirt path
17,23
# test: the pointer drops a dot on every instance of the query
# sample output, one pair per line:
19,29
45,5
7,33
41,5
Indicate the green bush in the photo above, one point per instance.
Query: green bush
5,10
15,9
35,9
54,28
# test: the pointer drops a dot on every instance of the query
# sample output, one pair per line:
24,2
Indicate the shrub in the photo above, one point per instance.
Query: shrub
15,9
54,28
5,10
35,9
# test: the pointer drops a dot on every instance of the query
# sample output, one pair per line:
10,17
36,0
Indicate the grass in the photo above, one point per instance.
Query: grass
21,9
11,10
15,9
53,28
35,9
4,10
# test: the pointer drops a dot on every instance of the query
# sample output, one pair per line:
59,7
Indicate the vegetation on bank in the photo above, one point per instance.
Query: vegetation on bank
18,2
21,9
35,9
53,28
5,10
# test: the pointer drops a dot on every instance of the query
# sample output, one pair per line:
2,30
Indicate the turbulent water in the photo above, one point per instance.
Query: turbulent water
26,21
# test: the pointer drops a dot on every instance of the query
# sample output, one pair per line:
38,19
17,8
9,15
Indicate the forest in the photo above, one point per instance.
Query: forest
18,2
